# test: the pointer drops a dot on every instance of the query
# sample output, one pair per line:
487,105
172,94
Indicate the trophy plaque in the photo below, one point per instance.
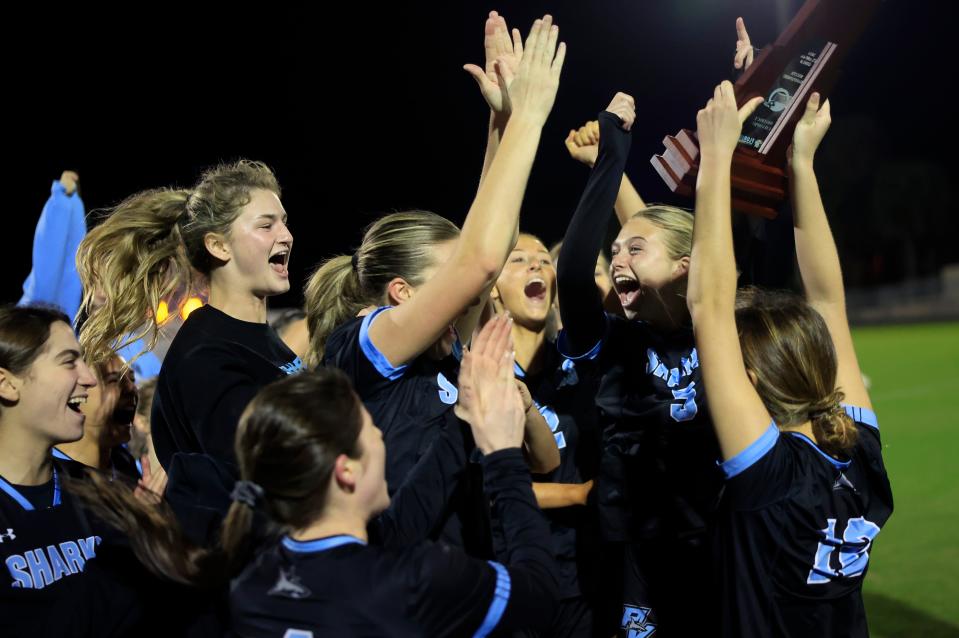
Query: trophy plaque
805,58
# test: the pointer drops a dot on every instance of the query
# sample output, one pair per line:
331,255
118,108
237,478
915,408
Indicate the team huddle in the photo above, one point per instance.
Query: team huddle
473,436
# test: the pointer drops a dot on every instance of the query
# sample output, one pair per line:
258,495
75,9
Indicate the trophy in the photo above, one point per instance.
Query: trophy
805,58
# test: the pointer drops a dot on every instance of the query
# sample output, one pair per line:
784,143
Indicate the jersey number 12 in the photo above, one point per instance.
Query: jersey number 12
853,550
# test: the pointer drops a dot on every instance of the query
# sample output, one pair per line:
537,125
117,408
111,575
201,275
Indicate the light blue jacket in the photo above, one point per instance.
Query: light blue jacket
54,279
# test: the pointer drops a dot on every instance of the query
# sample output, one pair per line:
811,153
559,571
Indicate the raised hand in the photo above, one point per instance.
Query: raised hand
810,130
489,399
583,143
719,123
624,107
500,49
744,48
69,180
152,484
532,90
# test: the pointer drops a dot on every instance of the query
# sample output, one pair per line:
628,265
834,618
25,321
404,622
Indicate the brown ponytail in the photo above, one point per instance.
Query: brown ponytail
787,345
834,429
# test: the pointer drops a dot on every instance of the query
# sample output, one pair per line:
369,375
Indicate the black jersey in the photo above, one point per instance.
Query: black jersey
563,392
411,404
46,544
214,367
44,537
795,533
339,586
658,475
658,484
67,574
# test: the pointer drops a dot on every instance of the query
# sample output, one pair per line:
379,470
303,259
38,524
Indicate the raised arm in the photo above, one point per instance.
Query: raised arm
53,278
500,49
489,231
816,250
503,55
490,402
584,322
583,146
737,412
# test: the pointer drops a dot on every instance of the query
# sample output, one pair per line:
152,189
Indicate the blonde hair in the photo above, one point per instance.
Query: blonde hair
787,345
148,247
678,224
395,245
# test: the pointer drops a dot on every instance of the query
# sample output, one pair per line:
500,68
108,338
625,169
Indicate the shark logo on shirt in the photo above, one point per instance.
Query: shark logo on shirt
288,585
636,622
843,483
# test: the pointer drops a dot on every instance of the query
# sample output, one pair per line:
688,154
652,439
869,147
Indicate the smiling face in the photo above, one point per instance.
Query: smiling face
50,392
259,245
112,403
527,285
642,270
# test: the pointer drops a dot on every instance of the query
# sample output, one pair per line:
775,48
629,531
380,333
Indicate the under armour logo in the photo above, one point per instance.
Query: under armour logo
636,622
9,536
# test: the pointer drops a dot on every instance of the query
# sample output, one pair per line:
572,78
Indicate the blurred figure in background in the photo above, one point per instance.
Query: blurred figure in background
291,326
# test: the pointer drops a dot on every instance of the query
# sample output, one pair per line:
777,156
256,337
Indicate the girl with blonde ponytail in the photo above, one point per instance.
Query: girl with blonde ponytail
806,490
229,233
420,284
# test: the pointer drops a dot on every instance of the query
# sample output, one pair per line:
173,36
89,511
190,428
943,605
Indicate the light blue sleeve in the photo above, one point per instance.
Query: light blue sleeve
146,366
54,279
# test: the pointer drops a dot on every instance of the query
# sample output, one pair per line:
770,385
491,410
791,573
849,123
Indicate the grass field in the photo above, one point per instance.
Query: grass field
912,588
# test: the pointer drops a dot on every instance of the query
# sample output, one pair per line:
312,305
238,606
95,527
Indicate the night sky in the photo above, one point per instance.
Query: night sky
363,110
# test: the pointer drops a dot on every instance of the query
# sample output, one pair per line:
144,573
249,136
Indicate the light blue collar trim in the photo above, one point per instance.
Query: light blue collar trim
320,544
21,500
839,464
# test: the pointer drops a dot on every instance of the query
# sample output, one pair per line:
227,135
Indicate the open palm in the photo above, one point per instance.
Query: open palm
500,50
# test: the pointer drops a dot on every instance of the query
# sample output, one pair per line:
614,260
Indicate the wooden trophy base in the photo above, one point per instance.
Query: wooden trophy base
757,187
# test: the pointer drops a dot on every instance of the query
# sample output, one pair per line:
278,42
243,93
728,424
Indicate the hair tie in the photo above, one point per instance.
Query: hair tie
247,492
355,260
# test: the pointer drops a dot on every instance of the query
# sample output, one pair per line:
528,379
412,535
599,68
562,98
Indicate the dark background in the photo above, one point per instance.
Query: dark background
363,109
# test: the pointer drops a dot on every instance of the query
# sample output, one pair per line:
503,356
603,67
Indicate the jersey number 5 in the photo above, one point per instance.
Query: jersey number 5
853,550
686,410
